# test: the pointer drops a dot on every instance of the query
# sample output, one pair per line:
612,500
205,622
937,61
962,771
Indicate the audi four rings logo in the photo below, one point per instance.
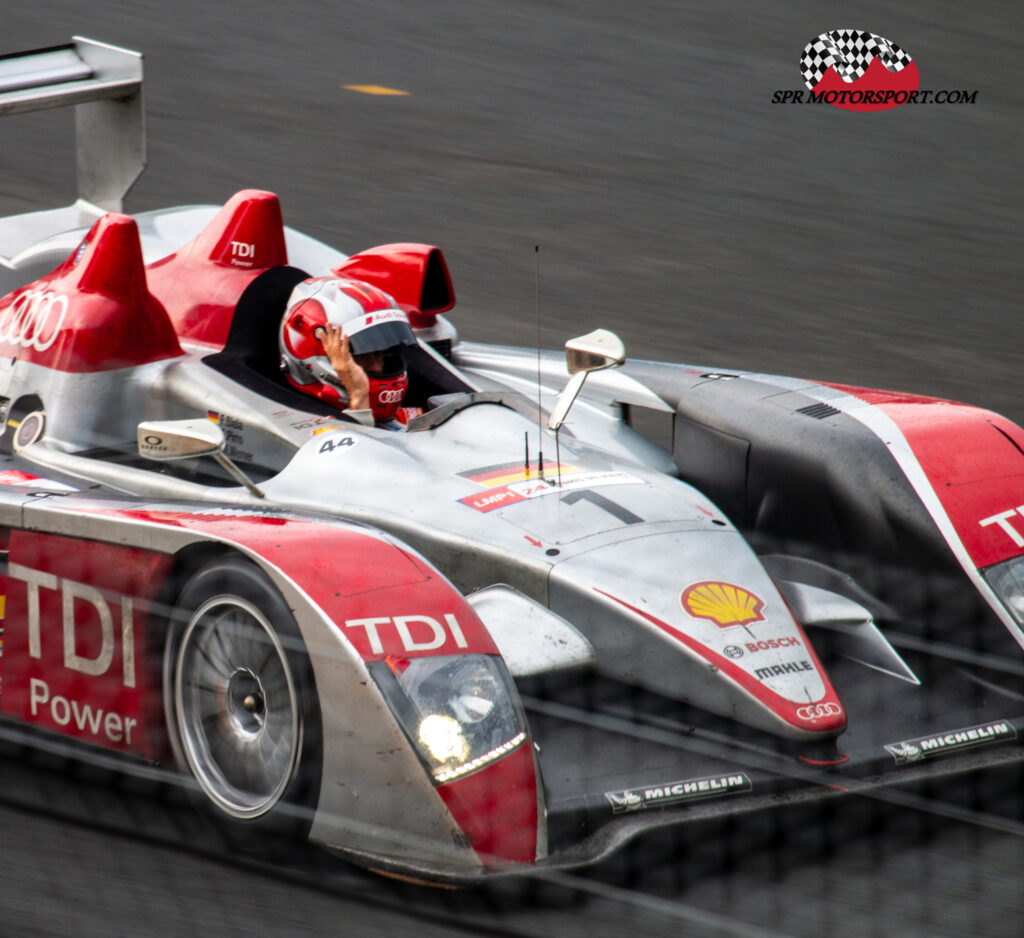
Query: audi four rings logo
34,319
814,711
391,396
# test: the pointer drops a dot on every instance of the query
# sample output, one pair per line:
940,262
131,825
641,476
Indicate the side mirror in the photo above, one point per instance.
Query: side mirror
167,440
594,351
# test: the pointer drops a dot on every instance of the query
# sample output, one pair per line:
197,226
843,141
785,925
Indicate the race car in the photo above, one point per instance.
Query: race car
515,632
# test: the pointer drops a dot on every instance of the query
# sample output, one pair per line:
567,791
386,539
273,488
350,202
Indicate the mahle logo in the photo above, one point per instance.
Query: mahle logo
858,71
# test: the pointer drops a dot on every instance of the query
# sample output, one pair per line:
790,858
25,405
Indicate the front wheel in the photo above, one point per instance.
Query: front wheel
241,702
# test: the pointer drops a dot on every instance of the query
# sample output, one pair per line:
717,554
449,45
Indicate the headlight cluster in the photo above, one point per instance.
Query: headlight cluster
1007,580
460,712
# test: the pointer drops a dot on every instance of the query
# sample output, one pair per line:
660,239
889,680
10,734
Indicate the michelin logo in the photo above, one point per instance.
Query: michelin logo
656,796
915,750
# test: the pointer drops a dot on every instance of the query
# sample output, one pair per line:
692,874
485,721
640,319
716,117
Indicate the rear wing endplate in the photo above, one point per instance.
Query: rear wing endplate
104,84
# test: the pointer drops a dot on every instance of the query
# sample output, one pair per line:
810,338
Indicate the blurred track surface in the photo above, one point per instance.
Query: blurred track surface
673,202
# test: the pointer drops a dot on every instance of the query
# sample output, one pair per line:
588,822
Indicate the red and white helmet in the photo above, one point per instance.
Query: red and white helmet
373,323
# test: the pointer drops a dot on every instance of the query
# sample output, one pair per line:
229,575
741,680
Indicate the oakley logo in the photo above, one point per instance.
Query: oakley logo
814,711
34,319
391,396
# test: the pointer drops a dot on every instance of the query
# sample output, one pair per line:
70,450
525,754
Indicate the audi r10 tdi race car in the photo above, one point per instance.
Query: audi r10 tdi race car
515,633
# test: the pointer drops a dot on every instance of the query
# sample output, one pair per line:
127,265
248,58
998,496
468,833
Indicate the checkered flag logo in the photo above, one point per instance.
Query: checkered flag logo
849,52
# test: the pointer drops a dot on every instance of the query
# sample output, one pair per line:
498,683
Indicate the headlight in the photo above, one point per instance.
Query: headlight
460,712
1007,580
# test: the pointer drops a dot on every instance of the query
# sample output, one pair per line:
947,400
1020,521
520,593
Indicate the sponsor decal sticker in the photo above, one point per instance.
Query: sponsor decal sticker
1003,520
786,667
926,747
733,651
34,319
373,319
787,641
723,603
242,253
391,395
495,476
819,711
656,796
513,483
416,634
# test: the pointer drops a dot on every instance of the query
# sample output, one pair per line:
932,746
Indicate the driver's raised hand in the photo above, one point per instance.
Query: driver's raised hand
350,373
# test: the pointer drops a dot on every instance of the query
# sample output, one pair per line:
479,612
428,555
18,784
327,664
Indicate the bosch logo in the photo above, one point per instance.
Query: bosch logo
733,651
816,711
152,440
391,396
34,319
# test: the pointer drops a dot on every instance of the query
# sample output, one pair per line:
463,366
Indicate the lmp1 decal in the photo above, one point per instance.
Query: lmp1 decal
500,496
926,747
657,796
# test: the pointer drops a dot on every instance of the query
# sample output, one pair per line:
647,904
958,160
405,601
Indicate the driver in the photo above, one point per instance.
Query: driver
341,341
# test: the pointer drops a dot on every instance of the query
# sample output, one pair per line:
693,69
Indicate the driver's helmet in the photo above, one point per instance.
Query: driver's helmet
373,323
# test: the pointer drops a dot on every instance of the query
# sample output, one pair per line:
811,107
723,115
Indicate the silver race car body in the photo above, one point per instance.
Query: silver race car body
519,540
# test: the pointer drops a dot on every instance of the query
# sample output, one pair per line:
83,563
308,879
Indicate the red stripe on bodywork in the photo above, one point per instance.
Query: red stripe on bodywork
974,462
785,709
497,808
383,599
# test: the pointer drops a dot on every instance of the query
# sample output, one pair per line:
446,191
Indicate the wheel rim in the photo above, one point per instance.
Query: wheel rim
236,706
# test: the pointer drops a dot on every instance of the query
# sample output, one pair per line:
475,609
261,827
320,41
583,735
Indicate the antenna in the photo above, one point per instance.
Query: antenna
540,422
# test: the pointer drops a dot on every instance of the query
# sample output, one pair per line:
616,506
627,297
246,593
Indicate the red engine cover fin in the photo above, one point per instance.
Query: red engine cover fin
92,313
416,275
201,282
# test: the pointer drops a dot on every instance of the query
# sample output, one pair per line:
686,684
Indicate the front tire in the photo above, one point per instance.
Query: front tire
241,704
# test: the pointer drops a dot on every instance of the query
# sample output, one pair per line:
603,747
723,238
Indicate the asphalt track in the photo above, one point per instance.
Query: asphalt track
671,201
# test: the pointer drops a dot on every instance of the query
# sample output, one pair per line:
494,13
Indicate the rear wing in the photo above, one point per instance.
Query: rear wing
104,84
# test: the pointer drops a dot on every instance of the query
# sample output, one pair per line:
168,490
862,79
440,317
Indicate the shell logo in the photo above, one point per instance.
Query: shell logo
722,603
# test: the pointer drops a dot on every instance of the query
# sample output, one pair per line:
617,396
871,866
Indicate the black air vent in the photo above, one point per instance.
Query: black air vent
818,411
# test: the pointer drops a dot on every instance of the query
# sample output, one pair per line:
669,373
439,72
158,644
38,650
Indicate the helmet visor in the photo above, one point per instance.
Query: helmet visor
377,331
